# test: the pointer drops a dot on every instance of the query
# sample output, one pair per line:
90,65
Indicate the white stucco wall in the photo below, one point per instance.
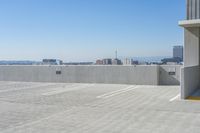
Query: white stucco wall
145,75
142,75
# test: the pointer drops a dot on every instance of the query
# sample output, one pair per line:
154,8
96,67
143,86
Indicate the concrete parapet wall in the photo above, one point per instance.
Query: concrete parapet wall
189,80
141,75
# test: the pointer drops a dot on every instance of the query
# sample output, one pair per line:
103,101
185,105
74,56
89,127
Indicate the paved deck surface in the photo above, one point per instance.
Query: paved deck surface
95,108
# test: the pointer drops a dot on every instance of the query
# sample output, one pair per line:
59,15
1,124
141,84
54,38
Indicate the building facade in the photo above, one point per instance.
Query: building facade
190,73
178,52
107,61
127,61
116,62
99,62
193,7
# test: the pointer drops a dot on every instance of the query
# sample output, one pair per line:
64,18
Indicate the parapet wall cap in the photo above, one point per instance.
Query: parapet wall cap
189,23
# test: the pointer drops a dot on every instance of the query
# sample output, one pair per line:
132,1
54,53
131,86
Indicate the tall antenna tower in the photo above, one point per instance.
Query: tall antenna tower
116,54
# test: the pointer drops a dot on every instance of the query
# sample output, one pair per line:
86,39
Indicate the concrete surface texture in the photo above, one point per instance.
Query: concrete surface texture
95,108
142,75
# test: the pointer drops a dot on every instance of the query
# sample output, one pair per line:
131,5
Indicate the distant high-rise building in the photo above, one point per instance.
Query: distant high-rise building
135,62
178,52
99,62
107,61
116,62
127,61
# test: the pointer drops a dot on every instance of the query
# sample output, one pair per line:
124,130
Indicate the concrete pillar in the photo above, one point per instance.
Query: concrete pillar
190,73
191,48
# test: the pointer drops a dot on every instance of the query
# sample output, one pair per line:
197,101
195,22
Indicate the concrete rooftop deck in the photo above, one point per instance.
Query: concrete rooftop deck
95,108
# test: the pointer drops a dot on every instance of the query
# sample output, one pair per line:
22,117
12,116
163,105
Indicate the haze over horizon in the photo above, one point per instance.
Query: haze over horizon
84,30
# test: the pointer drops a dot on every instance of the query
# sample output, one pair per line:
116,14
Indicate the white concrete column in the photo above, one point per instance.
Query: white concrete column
191,48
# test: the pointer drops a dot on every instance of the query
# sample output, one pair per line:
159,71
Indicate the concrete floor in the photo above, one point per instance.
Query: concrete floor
95,108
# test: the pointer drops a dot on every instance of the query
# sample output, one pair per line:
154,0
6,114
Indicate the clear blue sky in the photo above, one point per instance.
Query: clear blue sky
83,30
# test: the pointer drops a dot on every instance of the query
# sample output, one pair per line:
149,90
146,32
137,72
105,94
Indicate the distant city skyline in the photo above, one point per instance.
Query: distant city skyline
85,30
